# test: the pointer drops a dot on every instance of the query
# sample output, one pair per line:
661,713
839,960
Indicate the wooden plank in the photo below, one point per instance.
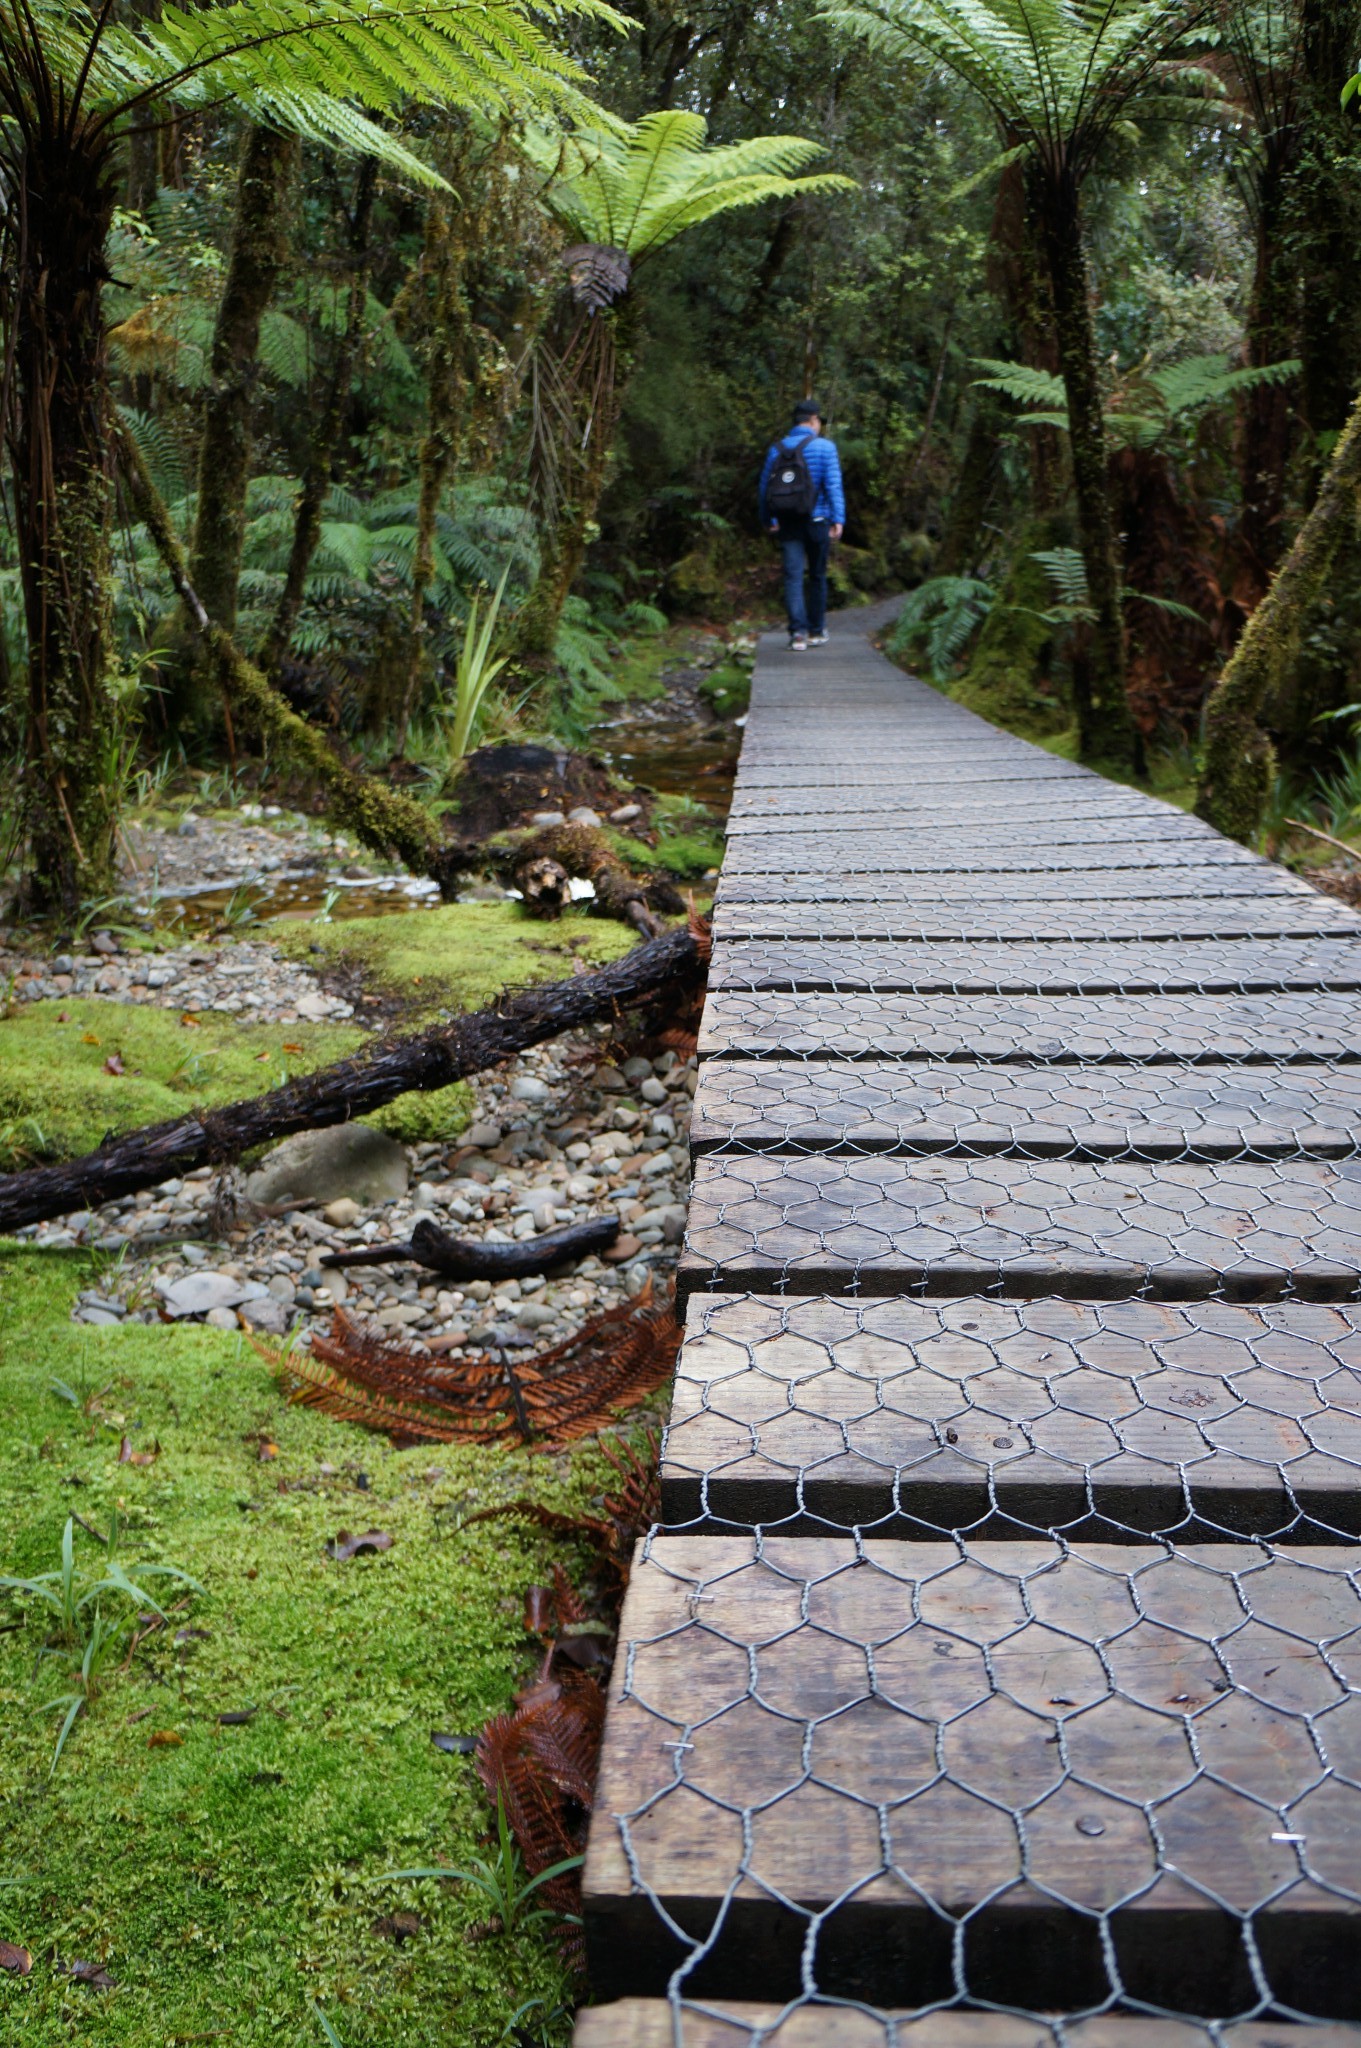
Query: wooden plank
1073,829
973,1763
1260,916
872,853
1006,1418
1114,1111
811,1224
812,2023
990,895
1176,1028
1197,967
1008,806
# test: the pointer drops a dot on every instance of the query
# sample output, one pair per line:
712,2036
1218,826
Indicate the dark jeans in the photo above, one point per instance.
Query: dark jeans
804,544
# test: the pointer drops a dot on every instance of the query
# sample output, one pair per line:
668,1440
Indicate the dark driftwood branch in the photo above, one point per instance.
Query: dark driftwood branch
353,1088
461,1258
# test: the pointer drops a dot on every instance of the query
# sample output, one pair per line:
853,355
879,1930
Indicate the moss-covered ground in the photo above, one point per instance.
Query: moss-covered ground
60,1085
229,1875
459,955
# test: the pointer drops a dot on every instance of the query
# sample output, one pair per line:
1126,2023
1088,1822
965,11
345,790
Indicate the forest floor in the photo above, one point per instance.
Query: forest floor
219,1877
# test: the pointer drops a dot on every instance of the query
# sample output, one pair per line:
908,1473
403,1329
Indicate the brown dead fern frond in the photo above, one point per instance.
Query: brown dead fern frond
612,1363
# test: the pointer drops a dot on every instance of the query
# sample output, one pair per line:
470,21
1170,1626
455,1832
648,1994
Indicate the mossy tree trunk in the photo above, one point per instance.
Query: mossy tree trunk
59,432
321,456
1240,759
259,250
1106,729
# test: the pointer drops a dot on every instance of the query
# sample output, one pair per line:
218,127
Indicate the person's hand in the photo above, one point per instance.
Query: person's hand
835,532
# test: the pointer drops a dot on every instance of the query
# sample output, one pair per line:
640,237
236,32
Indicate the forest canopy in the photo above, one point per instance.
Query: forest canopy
325,328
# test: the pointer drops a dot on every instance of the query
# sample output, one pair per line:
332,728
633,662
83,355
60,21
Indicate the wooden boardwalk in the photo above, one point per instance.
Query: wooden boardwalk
995,1677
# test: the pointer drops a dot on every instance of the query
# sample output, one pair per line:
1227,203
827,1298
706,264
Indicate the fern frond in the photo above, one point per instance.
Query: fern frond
635,188
1021,382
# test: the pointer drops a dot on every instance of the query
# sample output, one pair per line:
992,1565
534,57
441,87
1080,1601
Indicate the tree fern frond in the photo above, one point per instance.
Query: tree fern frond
635,188
1021,382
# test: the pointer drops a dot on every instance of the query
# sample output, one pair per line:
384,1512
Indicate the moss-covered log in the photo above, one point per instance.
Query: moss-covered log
1240,759
553,853
353,1088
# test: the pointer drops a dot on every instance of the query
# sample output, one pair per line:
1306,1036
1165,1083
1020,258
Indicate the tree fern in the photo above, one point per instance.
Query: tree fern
939,618
1149,402
634,188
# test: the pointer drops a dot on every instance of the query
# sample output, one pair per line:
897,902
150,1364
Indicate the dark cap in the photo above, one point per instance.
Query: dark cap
807,409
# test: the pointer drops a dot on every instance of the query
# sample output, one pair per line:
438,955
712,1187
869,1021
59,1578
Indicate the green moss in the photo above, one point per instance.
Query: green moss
427,1119
728,689
689,854
228,1879
460,955
57,1098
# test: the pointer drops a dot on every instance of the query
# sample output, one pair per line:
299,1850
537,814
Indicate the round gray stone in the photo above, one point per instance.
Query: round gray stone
348,1160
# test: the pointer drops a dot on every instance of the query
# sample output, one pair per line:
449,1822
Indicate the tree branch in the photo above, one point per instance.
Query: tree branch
353,1088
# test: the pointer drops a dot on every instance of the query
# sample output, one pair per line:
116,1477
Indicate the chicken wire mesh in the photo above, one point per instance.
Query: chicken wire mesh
994,1674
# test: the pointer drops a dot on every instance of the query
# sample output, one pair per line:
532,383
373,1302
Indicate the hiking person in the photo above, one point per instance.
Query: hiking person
802,500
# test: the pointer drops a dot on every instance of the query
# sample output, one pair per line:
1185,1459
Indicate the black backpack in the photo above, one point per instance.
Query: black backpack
791,492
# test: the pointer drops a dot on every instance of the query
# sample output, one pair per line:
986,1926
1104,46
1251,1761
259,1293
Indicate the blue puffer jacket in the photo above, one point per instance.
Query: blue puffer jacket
824,463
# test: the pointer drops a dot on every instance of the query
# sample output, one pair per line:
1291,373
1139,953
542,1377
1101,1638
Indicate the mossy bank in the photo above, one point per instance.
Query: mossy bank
227,1875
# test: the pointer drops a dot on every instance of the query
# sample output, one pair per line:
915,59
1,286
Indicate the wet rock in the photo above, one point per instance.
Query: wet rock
624,1247
626,814
526,1088
483,1136
325,1166
340,1215
197,1293
637,1069
267,1315
609,1080
584,815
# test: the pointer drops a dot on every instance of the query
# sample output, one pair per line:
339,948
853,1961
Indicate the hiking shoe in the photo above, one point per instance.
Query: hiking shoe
818,639
798,643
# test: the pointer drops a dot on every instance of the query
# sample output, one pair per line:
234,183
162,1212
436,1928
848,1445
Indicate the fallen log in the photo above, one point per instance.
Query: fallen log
465,1258
353,1088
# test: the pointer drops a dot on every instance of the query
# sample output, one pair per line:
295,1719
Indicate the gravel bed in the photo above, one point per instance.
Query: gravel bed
560,1134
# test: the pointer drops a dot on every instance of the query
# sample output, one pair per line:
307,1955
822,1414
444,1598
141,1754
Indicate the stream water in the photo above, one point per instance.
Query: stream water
673,746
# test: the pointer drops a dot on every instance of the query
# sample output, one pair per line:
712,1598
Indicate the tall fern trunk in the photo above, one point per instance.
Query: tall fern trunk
598,369
322,454
259,250
1240,760
444,259
59,430
1106,729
